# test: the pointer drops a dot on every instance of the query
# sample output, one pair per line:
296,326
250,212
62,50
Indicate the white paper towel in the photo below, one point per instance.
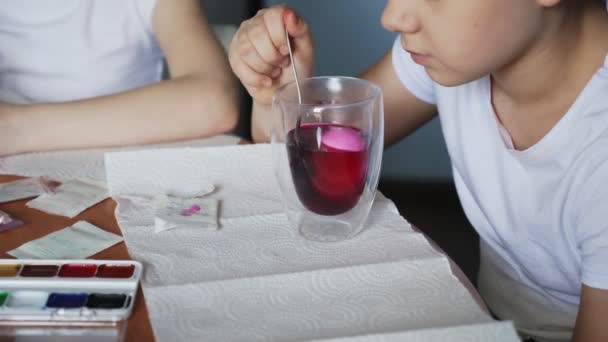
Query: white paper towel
257,279
243,175
487,332
326,303
66,165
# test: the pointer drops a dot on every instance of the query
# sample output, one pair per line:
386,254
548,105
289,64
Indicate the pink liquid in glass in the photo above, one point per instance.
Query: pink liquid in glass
328,165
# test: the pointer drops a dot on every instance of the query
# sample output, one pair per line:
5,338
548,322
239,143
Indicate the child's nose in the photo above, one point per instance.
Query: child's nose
399,16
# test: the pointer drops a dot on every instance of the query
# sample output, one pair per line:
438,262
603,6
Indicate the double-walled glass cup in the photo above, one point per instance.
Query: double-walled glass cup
328,154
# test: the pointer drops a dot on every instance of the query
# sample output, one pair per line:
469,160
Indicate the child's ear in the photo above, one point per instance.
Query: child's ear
548,3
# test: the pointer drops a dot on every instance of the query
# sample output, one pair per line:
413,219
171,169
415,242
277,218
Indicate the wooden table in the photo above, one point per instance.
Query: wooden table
38,224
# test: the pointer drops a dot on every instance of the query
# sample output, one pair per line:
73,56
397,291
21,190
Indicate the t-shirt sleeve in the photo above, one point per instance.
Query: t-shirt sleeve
592,229
413,76
145,10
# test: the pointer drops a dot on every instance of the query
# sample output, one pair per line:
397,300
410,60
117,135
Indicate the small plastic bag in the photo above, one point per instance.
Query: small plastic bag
26,188
7,222
175,212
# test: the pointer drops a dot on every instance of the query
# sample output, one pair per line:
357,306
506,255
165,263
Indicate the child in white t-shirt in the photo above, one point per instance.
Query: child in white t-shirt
87,73
521,89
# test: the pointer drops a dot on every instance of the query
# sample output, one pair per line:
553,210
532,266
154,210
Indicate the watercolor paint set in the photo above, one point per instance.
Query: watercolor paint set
68,290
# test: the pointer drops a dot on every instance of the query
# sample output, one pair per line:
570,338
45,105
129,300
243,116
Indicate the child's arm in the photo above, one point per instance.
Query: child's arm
259,58
591,321
403,112
199,100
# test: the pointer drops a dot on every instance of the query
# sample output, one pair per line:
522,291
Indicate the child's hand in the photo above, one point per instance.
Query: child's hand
259,55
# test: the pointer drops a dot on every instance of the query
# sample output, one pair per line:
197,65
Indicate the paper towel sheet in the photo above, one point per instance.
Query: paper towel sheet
327,303
259,245
257,279
66,165
243,175
487,332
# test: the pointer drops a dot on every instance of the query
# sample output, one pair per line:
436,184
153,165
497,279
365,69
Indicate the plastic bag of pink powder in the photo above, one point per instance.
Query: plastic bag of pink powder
7,222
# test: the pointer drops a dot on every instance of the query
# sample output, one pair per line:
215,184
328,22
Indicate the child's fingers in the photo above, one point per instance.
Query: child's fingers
299,32
296,26
273,18
253,59
250,77
259,50
243,49
260,38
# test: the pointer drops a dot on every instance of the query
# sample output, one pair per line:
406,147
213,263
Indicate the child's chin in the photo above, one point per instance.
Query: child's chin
450,79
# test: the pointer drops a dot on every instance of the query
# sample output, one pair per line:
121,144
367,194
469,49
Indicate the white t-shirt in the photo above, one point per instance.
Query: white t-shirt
540,213
63,50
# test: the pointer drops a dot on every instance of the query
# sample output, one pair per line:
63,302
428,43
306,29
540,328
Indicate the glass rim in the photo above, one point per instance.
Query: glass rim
376,91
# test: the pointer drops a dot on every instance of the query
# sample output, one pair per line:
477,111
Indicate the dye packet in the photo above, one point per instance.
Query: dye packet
176,212
25,188
71,198
7,222
79,241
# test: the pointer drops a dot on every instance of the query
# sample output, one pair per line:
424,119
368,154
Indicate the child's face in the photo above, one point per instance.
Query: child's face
458,41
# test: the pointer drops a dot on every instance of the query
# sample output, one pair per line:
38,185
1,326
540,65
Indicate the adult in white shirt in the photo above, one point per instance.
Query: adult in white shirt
87,73
521,88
